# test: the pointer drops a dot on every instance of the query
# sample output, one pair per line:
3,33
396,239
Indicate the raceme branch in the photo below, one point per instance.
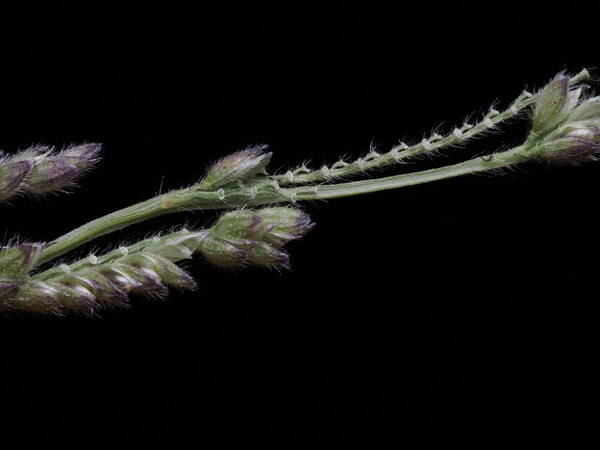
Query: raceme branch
565,129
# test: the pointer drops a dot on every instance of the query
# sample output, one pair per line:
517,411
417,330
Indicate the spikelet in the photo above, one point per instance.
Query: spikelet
237,167
254,237
566,128
40,170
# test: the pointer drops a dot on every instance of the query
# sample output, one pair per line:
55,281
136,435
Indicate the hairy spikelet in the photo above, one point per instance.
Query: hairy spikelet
40,170
237,167
566,126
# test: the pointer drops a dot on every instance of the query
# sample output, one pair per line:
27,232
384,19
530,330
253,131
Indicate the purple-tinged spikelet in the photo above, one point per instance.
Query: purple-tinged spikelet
89,290
237,167
263,254
566,127
254,237
40,170
573,146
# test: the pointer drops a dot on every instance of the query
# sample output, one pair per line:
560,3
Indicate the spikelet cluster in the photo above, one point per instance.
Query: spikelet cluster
40,169
149,267
255,237
566,126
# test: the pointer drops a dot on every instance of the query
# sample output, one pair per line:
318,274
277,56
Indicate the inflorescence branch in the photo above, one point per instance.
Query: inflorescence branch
565,130
403,152
239,238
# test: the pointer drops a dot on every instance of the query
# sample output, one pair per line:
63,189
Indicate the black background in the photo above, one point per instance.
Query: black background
449,315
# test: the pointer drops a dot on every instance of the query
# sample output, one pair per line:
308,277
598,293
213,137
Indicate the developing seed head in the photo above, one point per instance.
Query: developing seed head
275,226
568,126
39,170
57,171
572,144
237,167
254,237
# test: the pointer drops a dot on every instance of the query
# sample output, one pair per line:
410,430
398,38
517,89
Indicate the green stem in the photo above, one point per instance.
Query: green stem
140,212
476,165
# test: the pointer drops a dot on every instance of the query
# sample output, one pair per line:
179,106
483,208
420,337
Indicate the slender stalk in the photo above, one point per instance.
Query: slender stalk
154,207
402,152
476,165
